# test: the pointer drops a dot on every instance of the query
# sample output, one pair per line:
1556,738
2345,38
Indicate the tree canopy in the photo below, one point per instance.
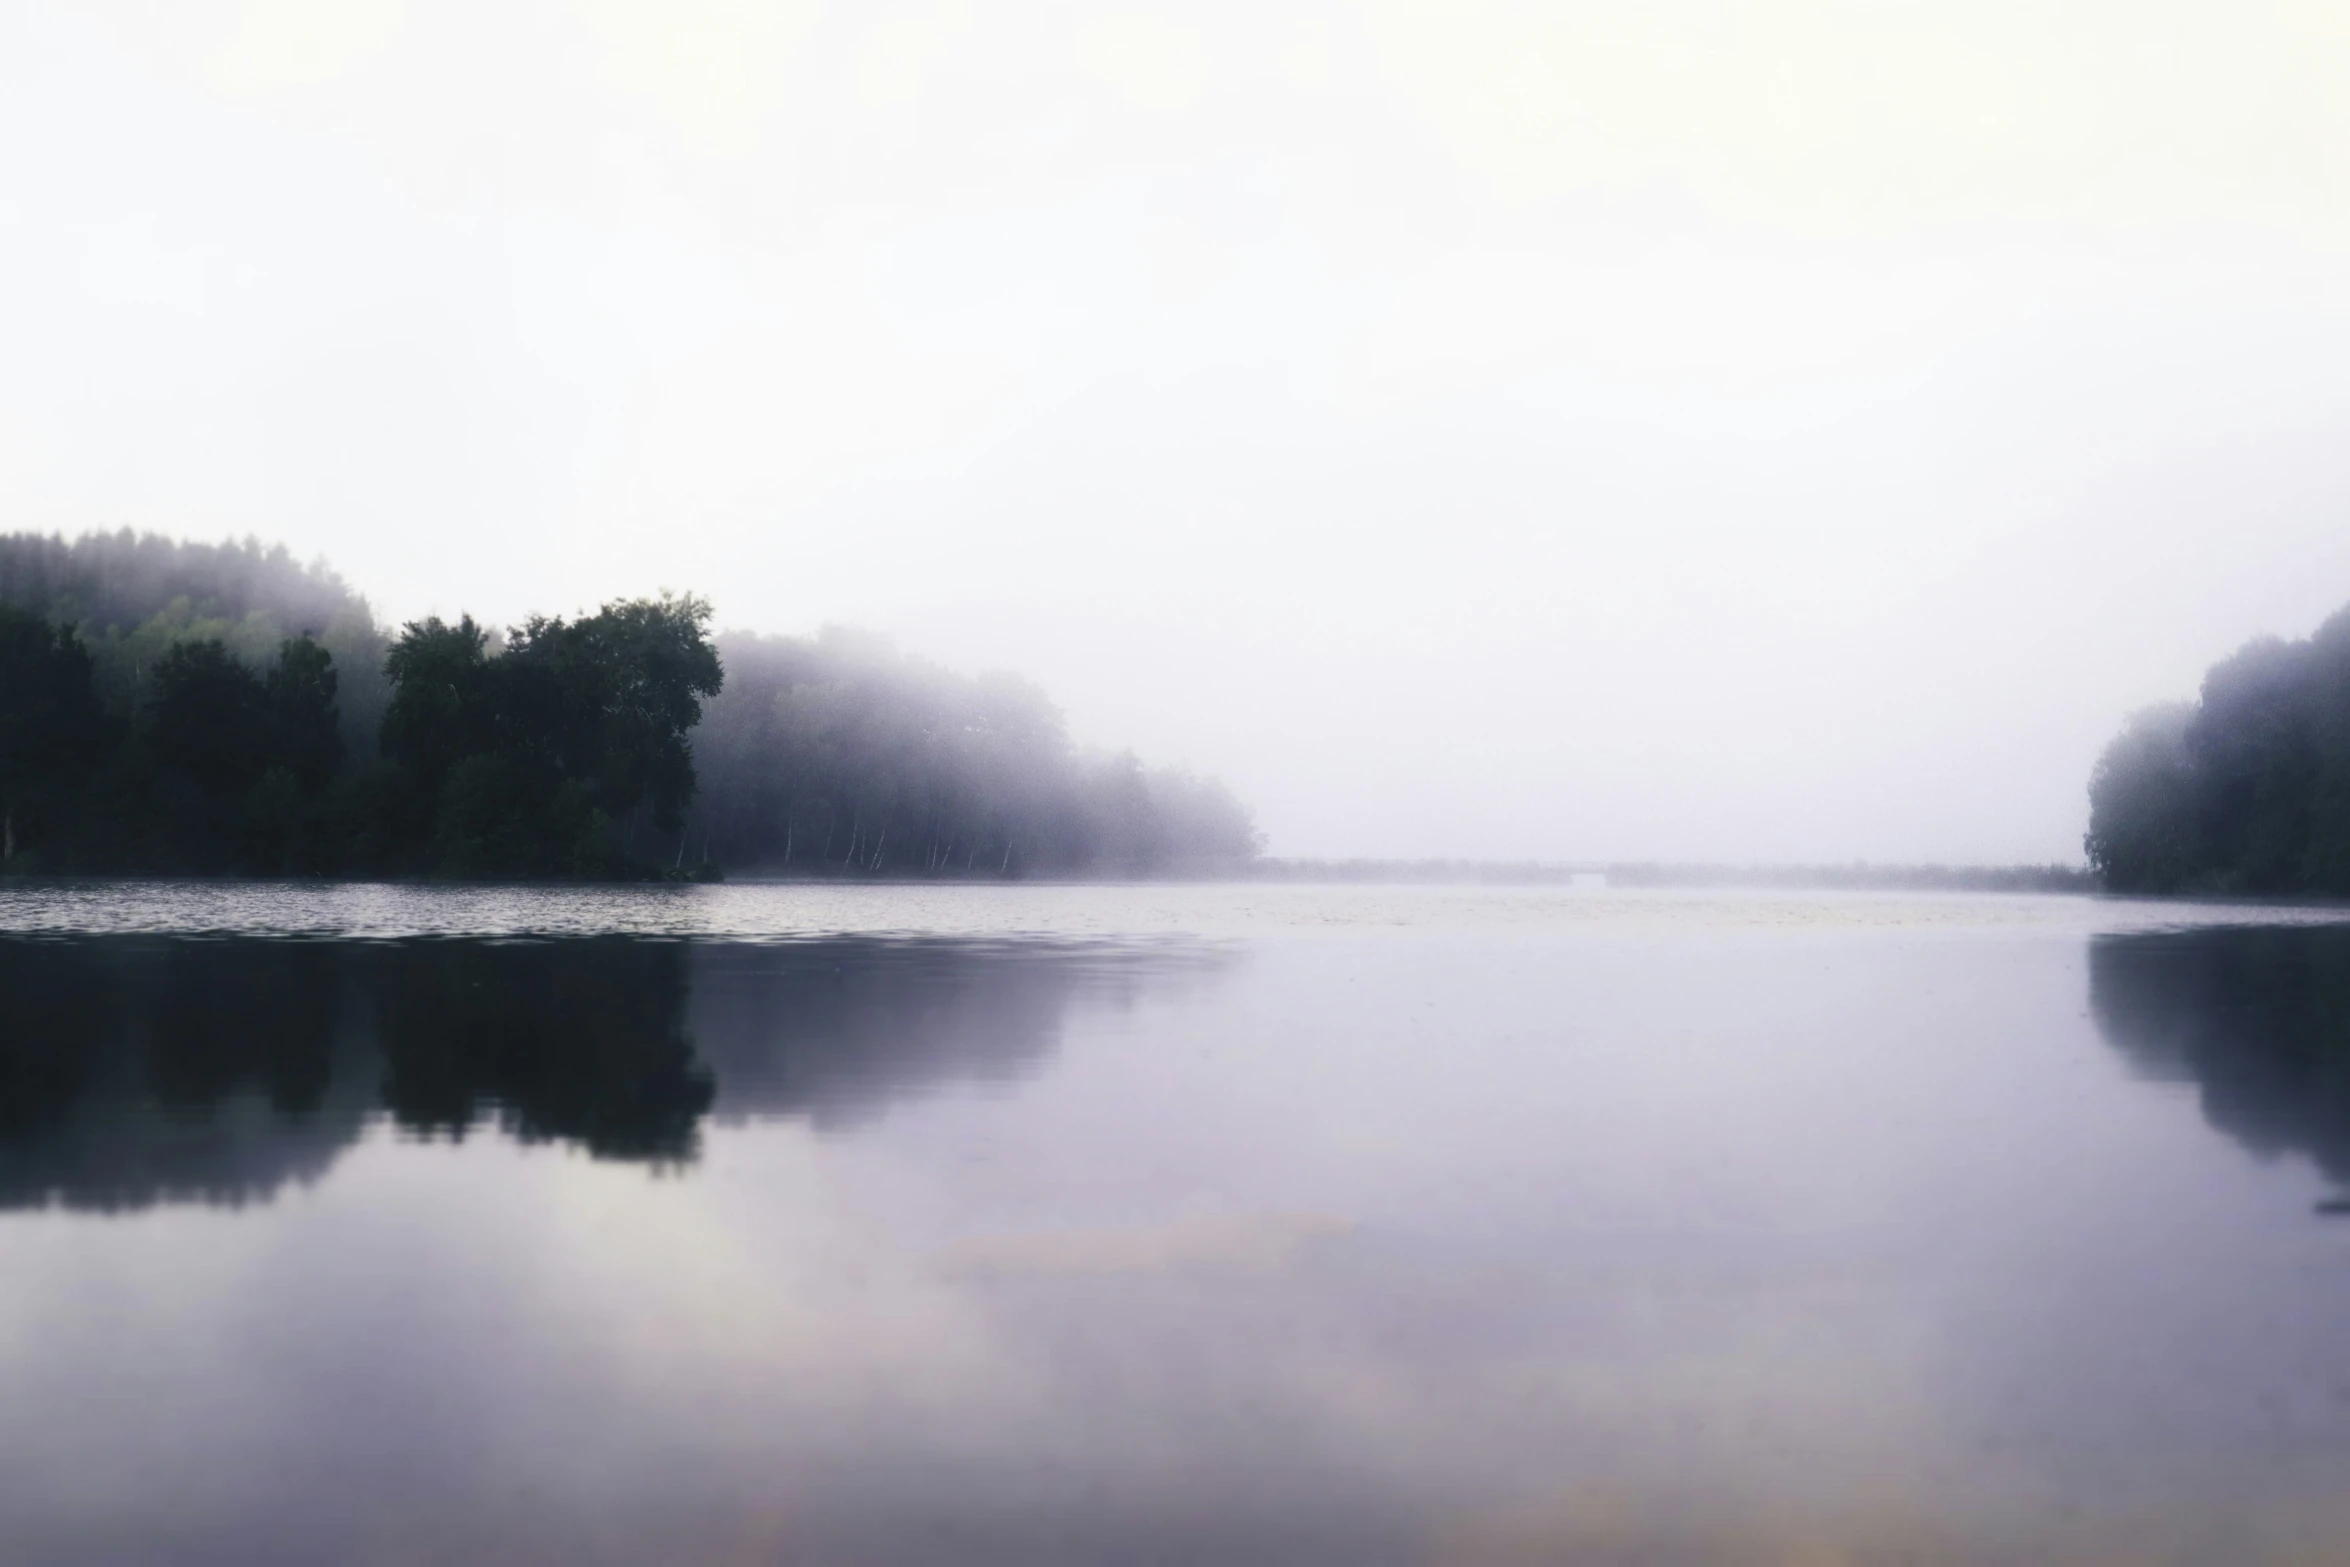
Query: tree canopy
839,752
2245,790
530,762
131,597
218,709
50,726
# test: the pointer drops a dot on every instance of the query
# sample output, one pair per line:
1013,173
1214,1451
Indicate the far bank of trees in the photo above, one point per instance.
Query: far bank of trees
130,598
838,753
2246,789
217,709
562,754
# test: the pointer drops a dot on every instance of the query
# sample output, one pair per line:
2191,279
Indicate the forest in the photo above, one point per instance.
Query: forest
839,751
173,708
2244,790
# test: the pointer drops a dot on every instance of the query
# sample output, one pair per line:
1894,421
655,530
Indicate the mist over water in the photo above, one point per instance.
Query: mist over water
1073,1224
696,595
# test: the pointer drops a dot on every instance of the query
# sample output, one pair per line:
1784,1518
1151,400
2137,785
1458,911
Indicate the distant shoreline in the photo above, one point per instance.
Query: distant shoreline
1465,873
1650,873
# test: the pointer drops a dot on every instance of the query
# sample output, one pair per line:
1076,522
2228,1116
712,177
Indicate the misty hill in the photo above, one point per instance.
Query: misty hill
220,709
2246,789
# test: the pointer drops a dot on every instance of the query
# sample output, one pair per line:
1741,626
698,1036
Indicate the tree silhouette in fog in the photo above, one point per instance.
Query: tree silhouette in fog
50,726
169,708
131,597
839,753
2245,790
530,762
241,758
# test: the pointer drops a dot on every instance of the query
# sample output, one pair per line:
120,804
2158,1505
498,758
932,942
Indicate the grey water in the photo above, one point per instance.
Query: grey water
1168,1224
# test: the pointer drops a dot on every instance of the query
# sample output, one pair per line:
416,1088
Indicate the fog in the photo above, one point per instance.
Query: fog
1787,431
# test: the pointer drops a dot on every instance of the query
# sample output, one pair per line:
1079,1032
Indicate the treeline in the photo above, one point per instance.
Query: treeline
173,708
2245,790
1860,876
840,753
559,754
1852,876
130,598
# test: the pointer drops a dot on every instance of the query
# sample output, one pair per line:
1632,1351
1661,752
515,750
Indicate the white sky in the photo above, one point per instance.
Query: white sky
1761,431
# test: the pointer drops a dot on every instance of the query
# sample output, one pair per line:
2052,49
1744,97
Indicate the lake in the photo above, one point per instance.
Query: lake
1032,1224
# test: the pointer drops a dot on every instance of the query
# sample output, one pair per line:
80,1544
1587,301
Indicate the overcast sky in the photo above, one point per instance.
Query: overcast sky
1754,431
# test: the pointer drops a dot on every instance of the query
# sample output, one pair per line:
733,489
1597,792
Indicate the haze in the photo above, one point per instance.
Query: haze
1768,432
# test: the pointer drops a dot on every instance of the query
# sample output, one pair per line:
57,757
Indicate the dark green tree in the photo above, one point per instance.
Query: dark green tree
605,702
209,722
308,740
241,757
530,762
440,711
50,726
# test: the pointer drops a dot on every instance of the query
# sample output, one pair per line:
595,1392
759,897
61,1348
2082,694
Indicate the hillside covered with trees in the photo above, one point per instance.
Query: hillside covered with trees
170,708
2244,790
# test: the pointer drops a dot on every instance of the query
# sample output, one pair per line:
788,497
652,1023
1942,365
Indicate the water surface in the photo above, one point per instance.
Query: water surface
1173,1224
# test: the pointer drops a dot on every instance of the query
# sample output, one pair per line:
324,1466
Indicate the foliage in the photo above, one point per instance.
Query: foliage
839,754
2246,790
120,580
530,761
50,726
241,759
219,709
132,597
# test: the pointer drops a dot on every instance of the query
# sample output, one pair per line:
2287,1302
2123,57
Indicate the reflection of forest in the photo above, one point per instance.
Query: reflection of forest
142,1071
2258,1020
835,1030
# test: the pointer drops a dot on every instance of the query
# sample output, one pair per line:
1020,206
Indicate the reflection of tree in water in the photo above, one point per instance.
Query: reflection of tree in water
835,1030
141,1071
2258,1019
578,1041
133,1073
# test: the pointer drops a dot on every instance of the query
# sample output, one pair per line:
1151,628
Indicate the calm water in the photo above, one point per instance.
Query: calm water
1029,1225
